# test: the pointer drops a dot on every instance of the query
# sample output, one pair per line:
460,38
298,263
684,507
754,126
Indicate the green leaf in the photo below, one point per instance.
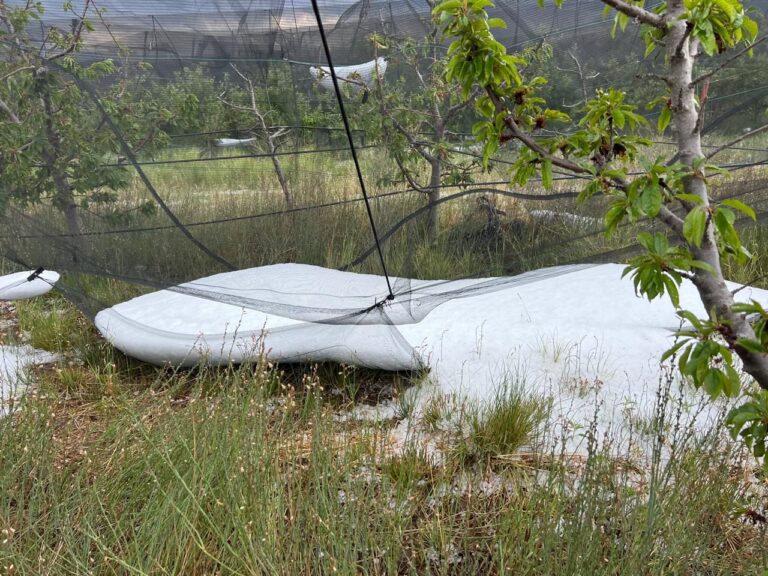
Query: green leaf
673,350
740,206
732,383
496,23
650,200
695,225
741,415
546,173
613,217
689,198
674,294
712,383
751,345
724,219
664,119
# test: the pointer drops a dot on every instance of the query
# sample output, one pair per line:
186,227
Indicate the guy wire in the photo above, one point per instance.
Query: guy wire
352,148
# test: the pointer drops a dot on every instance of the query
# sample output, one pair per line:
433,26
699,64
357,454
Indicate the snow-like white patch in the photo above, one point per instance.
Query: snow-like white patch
353,76
564,217
14,361
234,142
578,336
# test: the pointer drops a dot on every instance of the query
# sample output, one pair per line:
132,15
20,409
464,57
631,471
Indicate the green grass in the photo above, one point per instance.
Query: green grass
240,472
509,422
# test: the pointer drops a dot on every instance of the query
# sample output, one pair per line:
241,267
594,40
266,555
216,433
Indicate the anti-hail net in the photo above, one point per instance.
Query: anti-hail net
215,143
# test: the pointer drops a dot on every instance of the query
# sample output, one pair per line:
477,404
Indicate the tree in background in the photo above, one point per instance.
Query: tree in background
54,145
416,125
607,150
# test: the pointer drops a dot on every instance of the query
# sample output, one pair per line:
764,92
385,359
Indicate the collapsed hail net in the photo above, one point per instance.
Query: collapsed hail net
213,197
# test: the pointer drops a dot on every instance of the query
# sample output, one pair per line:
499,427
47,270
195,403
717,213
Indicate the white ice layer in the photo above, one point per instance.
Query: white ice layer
579,334
14,361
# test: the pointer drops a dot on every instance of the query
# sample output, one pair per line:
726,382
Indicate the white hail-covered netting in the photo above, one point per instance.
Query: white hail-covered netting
577,335
357,77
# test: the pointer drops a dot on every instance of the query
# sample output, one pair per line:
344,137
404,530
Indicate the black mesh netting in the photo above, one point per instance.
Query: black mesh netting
215,143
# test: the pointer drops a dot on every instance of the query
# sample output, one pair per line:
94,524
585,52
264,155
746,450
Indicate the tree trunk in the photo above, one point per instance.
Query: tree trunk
715,295
433,222
284,185
64,199
436,174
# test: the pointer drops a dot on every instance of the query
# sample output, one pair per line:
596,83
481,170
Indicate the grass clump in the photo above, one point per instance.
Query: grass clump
507,423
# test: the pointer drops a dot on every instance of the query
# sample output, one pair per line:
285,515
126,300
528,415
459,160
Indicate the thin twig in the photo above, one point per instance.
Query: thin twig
749,284
749,134
16,71
76,34
405,172
11,114
728,62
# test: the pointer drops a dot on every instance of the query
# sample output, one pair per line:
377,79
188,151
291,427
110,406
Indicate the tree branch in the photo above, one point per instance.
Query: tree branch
415,185
727,62
7,109
232,105
749,134
456,108
16,71
529,142
652,76
76,34
749,284
415,145
672,220
641,14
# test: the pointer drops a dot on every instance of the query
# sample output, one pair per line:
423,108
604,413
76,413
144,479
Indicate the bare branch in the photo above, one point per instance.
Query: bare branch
652,76
405,172
456,108
749,134
221,99
749,284
641,14
728,62
580,72
252,93
16,71
7,109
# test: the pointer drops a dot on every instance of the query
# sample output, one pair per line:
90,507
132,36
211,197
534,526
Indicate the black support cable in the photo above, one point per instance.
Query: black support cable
352,148
222,158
